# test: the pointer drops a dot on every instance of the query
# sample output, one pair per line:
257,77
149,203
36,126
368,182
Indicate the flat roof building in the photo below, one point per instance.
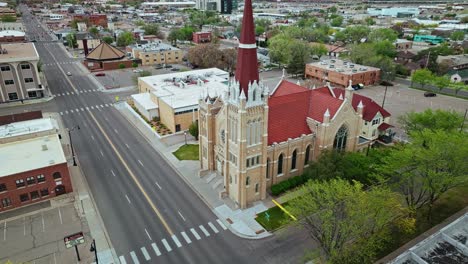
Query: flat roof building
19,75
176,95
37,167
340,72
156,53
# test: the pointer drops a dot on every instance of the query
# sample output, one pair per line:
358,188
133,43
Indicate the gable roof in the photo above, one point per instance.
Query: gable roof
463,73
105,52
285,87
321,100
371,108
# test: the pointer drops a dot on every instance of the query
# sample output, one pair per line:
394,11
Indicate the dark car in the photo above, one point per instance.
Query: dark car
158,66
100,74
429,94
175,69
168,66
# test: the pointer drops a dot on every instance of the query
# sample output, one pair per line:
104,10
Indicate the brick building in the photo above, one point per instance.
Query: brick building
339,72
7,36
201,37
37,168
155,53
93,19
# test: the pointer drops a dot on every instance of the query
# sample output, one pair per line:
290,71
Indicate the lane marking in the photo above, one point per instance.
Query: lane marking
127,145
187,239
181,216
71,110
61,113
87,108
204,230
92,137
115,130
134,257
166,245
148,235
92,107
82,110
113,173
195,234
106,105
145,253
102,154
128,199
43,223
156,249
221,224
139,161
68,93
24,226
140,187
102,106
66,111
122,260
159,186
176,241
60,216
213,227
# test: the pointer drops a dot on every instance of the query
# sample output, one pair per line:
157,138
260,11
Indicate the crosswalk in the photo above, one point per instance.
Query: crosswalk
85,108
75,93
61,63
172,243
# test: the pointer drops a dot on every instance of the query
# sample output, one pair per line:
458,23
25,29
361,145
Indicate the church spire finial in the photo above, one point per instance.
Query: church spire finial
247,64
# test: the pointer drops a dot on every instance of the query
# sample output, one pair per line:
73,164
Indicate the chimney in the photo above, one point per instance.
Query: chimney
85,47
247,64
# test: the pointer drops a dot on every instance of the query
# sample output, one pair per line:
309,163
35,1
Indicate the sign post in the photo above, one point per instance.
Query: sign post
73,241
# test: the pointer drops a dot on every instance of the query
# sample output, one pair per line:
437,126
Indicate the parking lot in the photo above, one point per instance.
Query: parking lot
37,237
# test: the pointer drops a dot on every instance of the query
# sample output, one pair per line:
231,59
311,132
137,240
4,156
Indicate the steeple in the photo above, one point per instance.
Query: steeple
247,68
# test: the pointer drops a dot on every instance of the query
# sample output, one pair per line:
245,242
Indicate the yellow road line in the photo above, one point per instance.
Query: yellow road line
284,210
153,206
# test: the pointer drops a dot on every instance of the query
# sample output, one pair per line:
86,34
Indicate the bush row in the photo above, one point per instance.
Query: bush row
289,184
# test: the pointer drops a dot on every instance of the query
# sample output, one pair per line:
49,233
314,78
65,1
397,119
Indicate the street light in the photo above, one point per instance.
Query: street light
185,136
71,143
94,249
386,86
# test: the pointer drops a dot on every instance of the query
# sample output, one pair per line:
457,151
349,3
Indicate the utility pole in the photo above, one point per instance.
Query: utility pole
71,143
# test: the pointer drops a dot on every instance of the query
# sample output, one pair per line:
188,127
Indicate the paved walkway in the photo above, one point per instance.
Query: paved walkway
240,222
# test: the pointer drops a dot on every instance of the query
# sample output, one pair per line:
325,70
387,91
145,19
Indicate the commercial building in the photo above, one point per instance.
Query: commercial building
12,26
201,37
222,6
429,39
403,44
37,168
155,53
394,11
340,72
251,138
7,36
93,19
19,75
174,97
6,11
106,57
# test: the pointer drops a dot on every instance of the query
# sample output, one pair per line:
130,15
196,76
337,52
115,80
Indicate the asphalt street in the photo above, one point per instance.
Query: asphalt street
151,215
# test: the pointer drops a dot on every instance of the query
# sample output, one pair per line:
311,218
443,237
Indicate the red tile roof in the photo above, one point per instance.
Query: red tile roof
371,108
286,87
384,126
320,102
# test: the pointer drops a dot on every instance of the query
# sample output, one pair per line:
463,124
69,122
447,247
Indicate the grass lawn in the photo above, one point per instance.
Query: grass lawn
277,218
187,152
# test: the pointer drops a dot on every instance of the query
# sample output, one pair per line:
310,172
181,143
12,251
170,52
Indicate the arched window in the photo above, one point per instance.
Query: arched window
268,169
280,164
340,139
307,153
56,175
247,181
293,160
256,187
254,93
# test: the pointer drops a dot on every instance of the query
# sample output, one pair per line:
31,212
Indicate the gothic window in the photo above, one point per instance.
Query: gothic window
247,181
249,125
256,188
254,93
307,153
340,139
280,164
293,160
268,169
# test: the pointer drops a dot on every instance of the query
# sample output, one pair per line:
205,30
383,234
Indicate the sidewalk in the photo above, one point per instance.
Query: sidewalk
240,222
84,202
26,102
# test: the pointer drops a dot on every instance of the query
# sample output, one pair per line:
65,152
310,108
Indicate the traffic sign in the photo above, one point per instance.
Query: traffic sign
73,240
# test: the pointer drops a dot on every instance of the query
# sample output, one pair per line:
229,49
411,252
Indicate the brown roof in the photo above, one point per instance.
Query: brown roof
105,52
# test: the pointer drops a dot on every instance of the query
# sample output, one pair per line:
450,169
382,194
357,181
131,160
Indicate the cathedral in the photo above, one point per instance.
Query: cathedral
254,137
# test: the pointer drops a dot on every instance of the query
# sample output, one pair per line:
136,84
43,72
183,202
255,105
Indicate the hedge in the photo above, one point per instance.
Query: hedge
289,184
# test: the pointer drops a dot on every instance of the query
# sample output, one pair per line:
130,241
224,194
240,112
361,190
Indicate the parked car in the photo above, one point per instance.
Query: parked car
168,66
69,74
99,74
158,66
175,69
430,94
137,70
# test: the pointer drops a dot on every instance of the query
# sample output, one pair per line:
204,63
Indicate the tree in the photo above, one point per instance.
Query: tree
71,40
441,82
464,20
432,164
262,25
140,23
8,18
205,56
229,59
422,76
337,21
337,213
318,50
381,34
199,18
385,48
413,122
369,21
151,29
108,39
125,39
385,64
278,45
298,57
457,35
353,34
193,129
94,31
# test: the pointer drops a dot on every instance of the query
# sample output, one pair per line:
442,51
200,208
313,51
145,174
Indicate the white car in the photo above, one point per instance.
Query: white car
137,71
69,74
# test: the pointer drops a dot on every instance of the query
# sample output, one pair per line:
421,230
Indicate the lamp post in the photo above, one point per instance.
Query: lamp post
94,249
71,142
386,86
185,136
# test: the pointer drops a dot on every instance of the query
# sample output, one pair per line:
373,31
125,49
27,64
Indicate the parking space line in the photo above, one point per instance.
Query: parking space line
145,253
43,223
115,130
127,145
159,186
187,239
102,154
134,257
113,173
166,245
24,226
195,234
156,249
202,228
213,227
60,216
176,241
139,161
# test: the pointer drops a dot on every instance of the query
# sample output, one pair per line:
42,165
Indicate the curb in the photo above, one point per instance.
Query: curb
27,102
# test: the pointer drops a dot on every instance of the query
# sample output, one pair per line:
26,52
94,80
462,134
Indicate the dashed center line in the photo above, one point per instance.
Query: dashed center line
159,186
146,231
139,161
181,216
128,199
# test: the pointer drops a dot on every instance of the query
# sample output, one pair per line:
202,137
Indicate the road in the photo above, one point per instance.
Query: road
148,210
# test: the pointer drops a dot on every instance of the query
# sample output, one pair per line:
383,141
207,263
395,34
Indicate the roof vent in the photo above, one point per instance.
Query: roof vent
354,70
351,65
44,147
332,66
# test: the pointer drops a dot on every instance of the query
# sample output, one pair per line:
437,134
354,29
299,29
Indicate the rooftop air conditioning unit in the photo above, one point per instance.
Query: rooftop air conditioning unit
44,147
332,66
351,65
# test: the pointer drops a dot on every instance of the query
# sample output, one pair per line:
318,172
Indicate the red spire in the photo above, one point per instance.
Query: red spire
247,64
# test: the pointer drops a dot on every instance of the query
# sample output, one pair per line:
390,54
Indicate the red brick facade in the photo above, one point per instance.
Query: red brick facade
201,37
9,39
37,185
93,19
342,79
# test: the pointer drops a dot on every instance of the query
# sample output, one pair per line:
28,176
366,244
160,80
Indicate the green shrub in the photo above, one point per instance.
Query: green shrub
121,66
134,64
288,184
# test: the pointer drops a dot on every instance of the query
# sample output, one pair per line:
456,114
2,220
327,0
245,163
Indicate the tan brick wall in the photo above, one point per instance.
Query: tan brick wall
166,113
185,120
158,57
